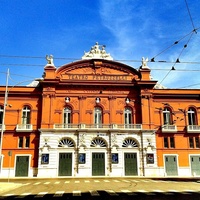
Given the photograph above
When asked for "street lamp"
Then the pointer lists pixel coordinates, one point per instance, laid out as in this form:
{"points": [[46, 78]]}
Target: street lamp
{"points": [[3, 119]]}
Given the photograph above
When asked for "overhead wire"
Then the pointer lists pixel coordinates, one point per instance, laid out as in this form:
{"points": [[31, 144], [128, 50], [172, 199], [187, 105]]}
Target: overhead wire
{"points": [[190, 15], [178, 59]]}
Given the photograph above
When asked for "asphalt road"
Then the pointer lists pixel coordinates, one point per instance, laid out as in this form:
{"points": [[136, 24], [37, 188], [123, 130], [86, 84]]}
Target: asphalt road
{"points": [[102, 188]]}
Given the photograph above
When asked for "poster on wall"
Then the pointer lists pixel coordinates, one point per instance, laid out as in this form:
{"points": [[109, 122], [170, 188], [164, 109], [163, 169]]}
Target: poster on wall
{"points": [[114, 158], [81, 158], [150, 158], [45, 158]]}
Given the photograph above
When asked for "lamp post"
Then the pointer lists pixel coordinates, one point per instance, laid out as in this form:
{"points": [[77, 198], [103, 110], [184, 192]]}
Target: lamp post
{"points": [[3, 120]]}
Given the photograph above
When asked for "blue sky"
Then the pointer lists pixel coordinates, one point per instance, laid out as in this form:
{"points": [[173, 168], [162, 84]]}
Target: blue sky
{"points": [[130, 29]]}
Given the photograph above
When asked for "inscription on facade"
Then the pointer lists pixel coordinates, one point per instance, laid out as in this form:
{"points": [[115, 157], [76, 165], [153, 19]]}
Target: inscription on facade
{"points": [[97, 77]]}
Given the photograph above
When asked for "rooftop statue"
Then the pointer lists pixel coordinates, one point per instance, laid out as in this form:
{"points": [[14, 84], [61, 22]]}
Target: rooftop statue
{"points": [[97, 51], [49, 59], [144, 63]]}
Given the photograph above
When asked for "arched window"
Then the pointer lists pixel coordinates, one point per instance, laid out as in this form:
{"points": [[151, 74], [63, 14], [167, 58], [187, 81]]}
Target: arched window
{"points": [[98, 116], [130, 142], [66, 142], [98, 142], [26, 114], [1, 114], [67, 115], [127, 116], [167, 116], [192, 116]]}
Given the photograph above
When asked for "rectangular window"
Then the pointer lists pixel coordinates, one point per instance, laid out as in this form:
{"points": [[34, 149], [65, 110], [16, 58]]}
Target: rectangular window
{"points": [[27, 143], [197, 142], [172, 142], [191, 141], [169, 142], [166, 144], [20, 142]]}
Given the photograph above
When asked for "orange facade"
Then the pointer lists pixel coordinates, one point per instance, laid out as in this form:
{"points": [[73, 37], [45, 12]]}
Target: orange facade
{"points": [[99, 117]]}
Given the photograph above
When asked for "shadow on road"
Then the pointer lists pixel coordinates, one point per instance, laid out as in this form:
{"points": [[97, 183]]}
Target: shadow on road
{"points": [[103, 195]]}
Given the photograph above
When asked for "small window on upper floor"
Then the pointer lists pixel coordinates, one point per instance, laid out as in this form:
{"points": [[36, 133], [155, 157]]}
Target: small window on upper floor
{"points": [[167, 116], [128, 116], [192, 120], [26, 114], [1, 114], [67, 115]]}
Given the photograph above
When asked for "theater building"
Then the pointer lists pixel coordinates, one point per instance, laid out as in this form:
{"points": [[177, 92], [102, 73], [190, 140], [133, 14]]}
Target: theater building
{"points": [[99, 117]]}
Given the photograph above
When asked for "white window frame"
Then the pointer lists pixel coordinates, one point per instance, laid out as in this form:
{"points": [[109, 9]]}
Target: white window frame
{"points": [[26, 115], [67, 115]]}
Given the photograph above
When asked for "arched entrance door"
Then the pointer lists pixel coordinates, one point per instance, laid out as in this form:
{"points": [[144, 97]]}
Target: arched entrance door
{"points": [[130, 158], [65, 158], [98, 158]]}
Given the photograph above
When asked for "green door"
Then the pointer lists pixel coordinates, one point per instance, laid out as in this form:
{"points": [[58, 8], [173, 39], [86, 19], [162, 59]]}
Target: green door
{"points": [[65, 164], [130, 163], [171, 165], [22, 166], [98, 164], [195, 165]]}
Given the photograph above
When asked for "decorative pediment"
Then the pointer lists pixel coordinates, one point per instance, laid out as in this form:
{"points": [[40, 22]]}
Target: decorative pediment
{"points": [[97, 70]]}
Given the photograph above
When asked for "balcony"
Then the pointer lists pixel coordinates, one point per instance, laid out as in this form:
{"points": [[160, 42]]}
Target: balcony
{"points": [[2, 126], [24, 127], [193, 129], [98, 126], [169, 128], [66, 126]]}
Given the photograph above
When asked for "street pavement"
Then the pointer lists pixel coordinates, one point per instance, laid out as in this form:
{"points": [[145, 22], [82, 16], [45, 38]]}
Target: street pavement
{"points": [[100, 188]]}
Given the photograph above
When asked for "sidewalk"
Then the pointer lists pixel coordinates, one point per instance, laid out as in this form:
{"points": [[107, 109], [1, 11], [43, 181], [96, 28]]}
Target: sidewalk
{"points": [[6, 186]]}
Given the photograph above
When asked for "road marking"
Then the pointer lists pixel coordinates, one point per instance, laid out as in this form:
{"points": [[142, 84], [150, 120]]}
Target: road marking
{"points": [[26, 183], [94, 193], [160, 191], [59, 193], [23, 195], [111, 192], [116, 181], [40, 194], [128, 192], [37, 183], [67, 181], [77, 182], [126, 181], [6, 195], [106, 181], [141, 191], [46, 183], [57, 182], [87, 181], [96, 181], [146, 181], [172, 191], [135, 181], [76, 193]]}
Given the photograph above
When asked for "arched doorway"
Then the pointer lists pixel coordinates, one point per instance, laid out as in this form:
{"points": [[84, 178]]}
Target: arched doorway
{"points": [[130, 157], [65, 158], [98, 157]]}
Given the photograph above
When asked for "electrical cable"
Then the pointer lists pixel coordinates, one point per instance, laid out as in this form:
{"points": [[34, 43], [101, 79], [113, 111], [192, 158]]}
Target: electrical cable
{"points": [[178, 59], [190, 15]]}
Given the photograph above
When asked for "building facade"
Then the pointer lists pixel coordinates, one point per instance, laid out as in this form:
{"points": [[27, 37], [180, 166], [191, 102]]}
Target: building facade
{"points": [[99, 117]]}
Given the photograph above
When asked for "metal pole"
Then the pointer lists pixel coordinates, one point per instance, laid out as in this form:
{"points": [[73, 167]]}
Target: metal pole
{"points": [[3, 120]]}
